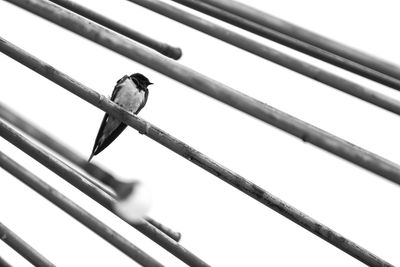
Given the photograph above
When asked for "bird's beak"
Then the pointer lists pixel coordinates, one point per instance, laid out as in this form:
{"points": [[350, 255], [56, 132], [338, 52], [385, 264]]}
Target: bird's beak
{"points": [[151, 83]]}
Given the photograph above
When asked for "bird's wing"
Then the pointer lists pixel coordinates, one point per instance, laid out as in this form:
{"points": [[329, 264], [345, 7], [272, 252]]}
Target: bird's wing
{"points": [[117, 86], [98, 147], [146, 95]]}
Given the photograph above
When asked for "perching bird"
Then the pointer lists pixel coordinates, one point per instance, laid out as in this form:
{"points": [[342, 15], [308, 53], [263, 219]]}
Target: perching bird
{"points": [[130, 93]]}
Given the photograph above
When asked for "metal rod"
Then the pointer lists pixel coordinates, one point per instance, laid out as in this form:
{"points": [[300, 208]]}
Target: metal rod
{"points": [[49, 141], [197, 157], [174, 235], [75, 211], [231, 37], [291, 42], [80, 182], [4, 263], [163, 48], [272, 55], [307, 36], [199, 82], [20, 246]]}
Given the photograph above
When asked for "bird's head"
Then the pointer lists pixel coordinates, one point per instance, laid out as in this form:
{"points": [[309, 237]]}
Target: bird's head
{"points": [[143, 80]]}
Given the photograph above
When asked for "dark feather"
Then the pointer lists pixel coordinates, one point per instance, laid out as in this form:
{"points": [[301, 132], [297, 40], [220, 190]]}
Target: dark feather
{"points": [[141, 86], [97, 148], [100, 147], [117, 87], [141, 83]]}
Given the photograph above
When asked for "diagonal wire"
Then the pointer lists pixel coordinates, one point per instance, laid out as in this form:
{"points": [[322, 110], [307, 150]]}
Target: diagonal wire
{"points": [[20, 246], [76, 212], [163, 48], [247, 24], [273, 55], [307, 36], [182, 149], [199, 82], [4, 263], [63, 150], [55, 14], [80, 182]]}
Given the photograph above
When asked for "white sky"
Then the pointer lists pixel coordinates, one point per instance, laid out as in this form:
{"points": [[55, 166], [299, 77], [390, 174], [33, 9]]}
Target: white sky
{"points": [[219, 224]]}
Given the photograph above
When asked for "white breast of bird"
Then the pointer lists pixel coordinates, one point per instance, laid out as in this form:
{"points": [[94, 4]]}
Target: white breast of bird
{"points": [[129, 97]]}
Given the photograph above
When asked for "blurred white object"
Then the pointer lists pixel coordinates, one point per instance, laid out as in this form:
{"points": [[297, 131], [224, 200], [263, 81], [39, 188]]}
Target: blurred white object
{"points": [[133, 202]]}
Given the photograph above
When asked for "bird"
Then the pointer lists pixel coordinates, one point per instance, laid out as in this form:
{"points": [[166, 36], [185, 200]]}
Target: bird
{"points": [[130, 93]]}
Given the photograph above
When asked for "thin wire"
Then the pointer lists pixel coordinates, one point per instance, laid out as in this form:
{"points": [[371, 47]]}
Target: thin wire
{"points": [[80, 182], [163, 48], [199, 82], [23, 248], [63, 150], [277, 36], [273, 55], [185, 151], [75, 211], [307, 36]]}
